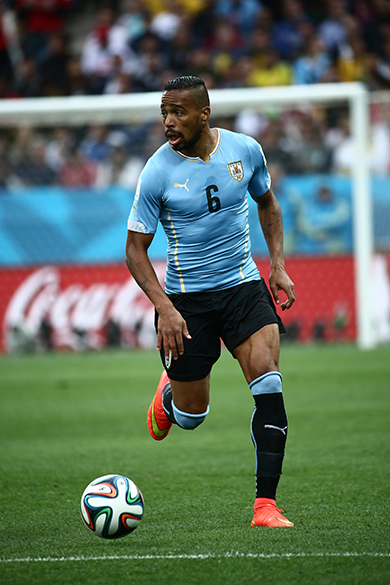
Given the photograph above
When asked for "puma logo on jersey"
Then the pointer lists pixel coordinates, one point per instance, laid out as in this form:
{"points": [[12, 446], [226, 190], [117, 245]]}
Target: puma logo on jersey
{"points": [[181, 185]]}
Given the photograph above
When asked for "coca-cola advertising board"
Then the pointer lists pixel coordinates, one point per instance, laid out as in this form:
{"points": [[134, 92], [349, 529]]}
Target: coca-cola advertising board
{"points": [[94, 306], [74, 307]]}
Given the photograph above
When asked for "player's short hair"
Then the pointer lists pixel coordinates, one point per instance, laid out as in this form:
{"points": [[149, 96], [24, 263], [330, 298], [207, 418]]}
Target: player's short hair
{"points": [[194, 84]]}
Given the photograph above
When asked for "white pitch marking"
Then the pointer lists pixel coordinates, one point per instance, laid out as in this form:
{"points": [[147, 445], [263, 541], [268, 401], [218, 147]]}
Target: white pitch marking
{"points": [[195, 557]]}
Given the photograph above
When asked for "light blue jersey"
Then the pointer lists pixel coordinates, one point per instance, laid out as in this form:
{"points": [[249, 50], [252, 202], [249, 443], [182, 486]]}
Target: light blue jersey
{"points": [[203, 208]]}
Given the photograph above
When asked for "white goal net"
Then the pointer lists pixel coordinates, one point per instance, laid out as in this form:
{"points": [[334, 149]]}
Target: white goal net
{"points": [[68, 171]]}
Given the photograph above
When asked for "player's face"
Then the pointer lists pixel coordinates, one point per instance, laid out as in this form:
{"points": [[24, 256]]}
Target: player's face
{"points": [[183, 120]]}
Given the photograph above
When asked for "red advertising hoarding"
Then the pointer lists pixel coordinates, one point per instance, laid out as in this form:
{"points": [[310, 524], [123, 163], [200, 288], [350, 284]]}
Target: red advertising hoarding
{"points": [[79, 307]]}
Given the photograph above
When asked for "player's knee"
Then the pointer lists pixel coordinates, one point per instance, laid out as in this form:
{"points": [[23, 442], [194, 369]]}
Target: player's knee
{"points": [[269, 383], [188, 421]]}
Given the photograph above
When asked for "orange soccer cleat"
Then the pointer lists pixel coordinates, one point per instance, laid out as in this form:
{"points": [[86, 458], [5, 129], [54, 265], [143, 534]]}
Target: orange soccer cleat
{"points": [[267, 514], [158, 423]]}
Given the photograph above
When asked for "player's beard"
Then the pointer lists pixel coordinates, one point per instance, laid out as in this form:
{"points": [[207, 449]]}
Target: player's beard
{"points": [[192, 142]]}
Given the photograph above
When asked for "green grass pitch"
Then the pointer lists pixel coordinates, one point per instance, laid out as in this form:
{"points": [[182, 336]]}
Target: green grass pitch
{"points": [[66, 419]]}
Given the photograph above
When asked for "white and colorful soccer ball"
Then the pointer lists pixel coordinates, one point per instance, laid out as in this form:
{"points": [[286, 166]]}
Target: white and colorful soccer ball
{"points": [[112, 506]]}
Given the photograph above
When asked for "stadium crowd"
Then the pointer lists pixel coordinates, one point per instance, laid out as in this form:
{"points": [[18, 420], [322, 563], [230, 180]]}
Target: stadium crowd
{"points": [[136, 46]]}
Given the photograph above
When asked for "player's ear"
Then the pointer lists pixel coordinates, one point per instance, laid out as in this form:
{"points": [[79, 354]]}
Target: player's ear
{"points": [[206, 111]]}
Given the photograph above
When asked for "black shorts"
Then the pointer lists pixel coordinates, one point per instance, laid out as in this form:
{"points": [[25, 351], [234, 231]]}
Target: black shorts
{"points": [[232, 315]]}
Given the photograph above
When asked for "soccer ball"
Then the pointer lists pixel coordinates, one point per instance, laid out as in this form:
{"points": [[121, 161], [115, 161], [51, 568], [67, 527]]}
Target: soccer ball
{"points": [[112, 506]]}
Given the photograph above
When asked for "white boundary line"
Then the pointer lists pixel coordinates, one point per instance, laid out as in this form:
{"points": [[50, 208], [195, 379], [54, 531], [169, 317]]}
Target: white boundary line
{"points": [[195, 557]]}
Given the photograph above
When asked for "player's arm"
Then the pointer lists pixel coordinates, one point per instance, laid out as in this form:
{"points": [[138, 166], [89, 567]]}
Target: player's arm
{"points": [[171, 325], [271, 221]]}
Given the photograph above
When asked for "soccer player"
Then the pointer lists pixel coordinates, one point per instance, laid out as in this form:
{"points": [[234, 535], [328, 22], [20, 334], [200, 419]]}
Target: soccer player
{"points": [[197, 186]]}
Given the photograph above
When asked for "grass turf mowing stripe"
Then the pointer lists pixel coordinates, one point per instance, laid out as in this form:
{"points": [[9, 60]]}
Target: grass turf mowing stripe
{"points": [[195, 557]]}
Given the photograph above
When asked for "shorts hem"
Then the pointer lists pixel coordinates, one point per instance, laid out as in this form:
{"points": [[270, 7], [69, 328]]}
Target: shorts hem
{"points": [[187, 378], [278, 323]]}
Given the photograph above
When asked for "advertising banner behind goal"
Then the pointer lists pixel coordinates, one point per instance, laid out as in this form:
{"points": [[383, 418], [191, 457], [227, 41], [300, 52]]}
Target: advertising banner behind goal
{"points": [[97, 306]]}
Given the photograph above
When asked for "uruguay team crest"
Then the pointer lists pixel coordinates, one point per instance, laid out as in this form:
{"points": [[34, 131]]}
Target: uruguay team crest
{"points": [[236, 170]]}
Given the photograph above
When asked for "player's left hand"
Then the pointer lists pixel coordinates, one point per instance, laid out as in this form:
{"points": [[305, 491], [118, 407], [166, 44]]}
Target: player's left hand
{"points": [[279, 280]]}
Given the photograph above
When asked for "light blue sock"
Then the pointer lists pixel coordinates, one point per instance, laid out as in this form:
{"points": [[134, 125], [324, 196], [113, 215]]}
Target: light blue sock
{"points": [[188, 421], [269, 383]]}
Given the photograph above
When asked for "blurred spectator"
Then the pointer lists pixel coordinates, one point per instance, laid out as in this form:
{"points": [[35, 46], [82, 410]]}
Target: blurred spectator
{"points": [[333, 29], [152, 62], [288, 198], [77, 83], [237, 75], [119, 169], [5, 88], [53, 66], [4, 172], [273, 72], [313, 65], [374, 21], [353, 62], [274, 143], [193, 7], [259, 43], [40, 19], [20, 145], [203, 25], [97, 57], [311, 154], [266, 19], [153, 138], [5, 60], [100, 49], [166, 24], [59, 147], [94, 147], [341, 141], [199, 63], [134, 20], [287, 36], [226, 48], [27, 82], [380, 145], [251, 123], [343, 156], [77, 172], [180, 49], [242, 14], [322, 220], [4, 163], [32, 170], [380, 69], [118, 81]]}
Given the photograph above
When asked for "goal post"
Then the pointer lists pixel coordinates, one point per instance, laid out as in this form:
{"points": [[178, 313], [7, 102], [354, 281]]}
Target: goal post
{"points": [[224, 102]]}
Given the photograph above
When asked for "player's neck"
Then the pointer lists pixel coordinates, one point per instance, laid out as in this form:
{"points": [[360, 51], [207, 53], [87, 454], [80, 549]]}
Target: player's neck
{"points": [[205, 145]]}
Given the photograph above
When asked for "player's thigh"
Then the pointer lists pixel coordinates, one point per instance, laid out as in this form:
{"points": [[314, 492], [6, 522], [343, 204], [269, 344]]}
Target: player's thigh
{"points": [[191, 397], [259, 353]]}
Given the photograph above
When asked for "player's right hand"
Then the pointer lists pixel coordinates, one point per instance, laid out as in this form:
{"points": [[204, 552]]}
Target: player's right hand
{"points": [[171, 329]]}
